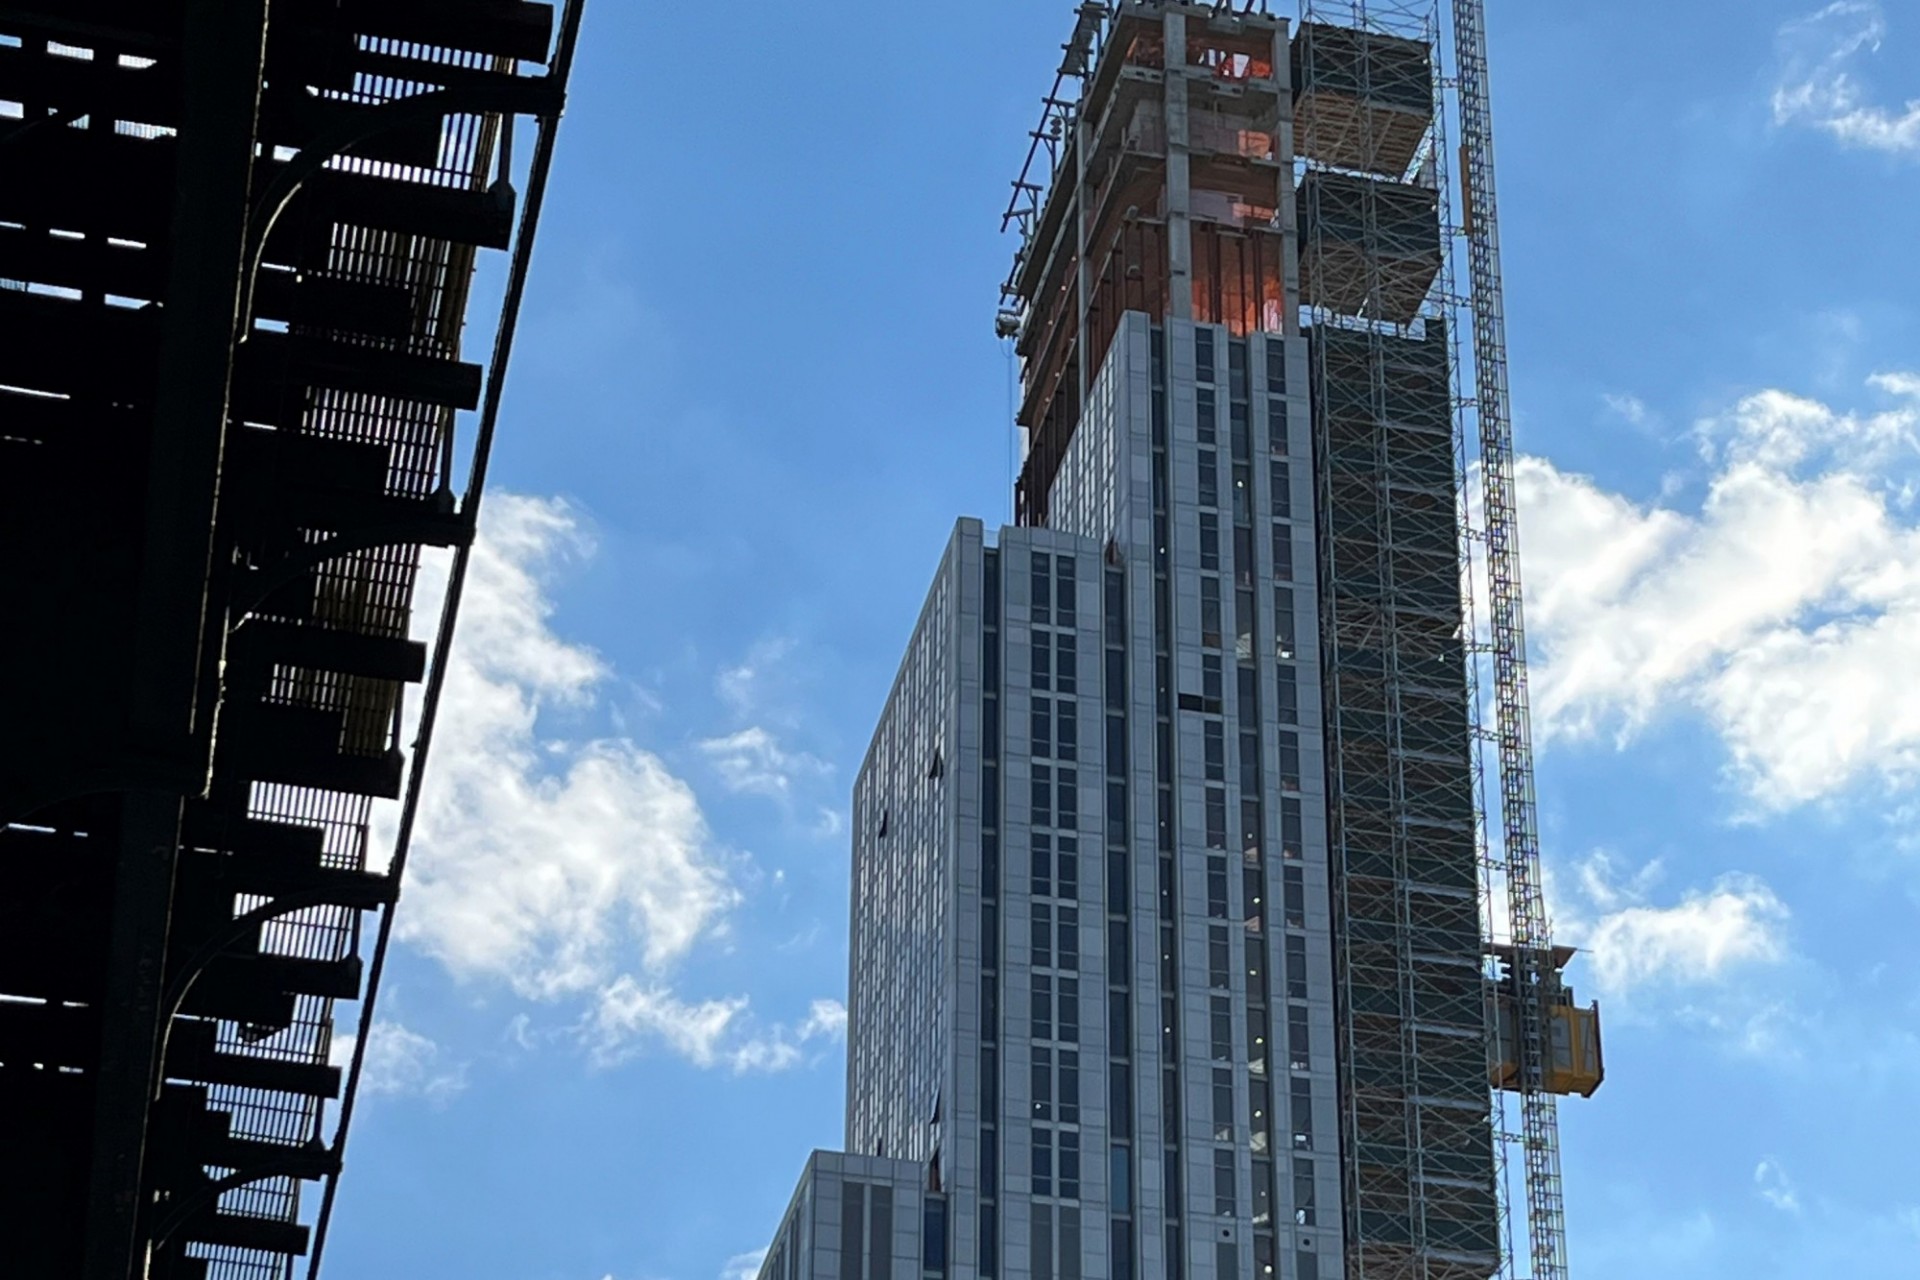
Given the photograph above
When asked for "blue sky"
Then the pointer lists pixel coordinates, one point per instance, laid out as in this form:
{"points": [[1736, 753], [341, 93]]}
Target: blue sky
{"points": [[758, 381]]}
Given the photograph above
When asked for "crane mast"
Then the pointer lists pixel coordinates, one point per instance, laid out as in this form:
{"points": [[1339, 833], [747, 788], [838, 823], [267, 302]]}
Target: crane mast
{"points": [[1530, 970]]}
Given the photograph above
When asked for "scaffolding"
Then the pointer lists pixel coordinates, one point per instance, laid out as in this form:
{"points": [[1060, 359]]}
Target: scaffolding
{"points": [[236, 255], [1426, 1171]]}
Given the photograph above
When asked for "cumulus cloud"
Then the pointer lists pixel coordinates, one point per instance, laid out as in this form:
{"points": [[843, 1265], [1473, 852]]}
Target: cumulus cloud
{"points": [[753, 762], [538, 862], [630, 1014], [1783, 610], [573, 868], [1819, 85], [402, 1064]]}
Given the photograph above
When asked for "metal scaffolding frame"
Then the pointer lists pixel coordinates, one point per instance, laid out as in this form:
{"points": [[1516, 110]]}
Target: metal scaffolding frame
{"points": [[1376, 196]]}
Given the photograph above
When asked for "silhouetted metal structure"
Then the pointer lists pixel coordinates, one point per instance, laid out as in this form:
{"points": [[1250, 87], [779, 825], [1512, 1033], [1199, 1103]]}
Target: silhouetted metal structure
{"points": [[235, 253]]}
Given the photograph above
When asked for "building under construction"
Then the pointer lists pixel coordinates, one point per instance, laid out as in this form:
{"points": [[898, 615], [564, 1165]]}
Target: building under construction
{"points": [[1197, 928], [236, 404]]}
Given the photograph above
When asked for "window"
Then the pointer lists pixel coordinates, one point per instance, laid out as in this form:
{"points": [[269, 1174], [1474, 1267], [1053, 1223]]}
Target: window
{"points": [[1042, 1081], [1042, 879], [1209, 542], [1120, 1179], [1225, 1197], [1041, 794], [1259, 1103], [1219, 967], [1290, 828], [1064, 592], [1203, 355], [1119, 1097], [1042, 660], [1289, 760], [1276, 367], [1065, 664], [1299, 1045], [1069, 1010], [1216, 818], [1220, 1024], [1209, 478], [1069, 1093], [1296, 967], [1303, 1191], [1213, 737], [1069, 1144], [1280, 481], [1069, 816], [1038, 585], [1067, 940], [1210, 612], [1041, 954], [1302, 1113], [933, 1234], [1283, 623], [1222, 1105], [1041, 1009], [1207, 414], [1295, 898], [1042, 1166], [1286, 690], [1283, 552], [1069, 880], [1067, 737], [1040, 721]]}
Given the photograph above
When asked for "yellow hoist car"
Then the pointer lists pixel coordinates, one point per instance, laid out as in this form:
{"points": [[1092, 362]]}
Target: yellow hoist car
{"points": [[1574, 1062]]}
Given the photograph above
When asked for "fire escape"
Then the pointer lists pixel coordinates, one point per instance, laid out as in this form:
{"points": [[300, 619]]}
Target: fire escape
{"points": [[236, 250]]}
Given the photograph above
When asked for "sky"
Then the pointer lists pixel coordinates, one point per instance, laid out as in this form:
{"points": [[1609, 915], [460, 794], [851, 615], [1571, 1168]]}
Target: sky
{"points": [[756, 383]]}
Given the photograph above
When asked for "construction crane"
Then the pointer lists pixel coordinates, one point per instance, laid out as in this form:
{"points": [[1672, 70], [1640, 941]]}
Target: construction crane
{"points": [[1530, 995]]}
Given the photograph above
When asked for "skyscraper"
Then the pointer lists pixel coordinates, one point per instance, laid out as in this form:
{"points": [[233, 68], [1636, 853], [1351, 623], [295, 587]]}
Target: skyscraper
{"points": [[1168, 949]]}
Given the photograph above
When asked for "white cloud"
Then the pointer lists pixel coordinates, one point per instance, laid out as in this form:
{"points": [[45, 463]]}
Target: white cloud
{"points": [[1637, 948], [631, 1014], [825, 1019], [1699, 939], [1771, 1183], [537, 862], [743, 1266], [1780, 610], [1818, 85], [402, 1064], [566, 868], [752, 761]]}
